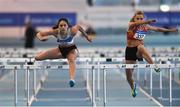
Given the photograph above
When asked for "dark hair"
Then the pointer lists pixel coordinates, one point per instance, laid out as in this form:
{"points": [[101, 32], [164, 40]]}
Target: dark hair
{"points": [[137, 13], [61, 19]]}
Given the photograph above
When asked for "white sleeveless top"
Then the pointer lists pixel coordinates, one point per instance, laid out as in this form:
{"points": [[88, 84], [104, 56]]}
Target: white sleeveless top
{"points": [[65, 39]]}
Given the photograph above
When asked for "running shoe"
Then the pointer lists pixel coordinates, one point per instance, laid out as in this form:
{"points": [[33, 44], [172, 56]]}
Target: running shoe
{"points": [[134, 91], [71, 83]]}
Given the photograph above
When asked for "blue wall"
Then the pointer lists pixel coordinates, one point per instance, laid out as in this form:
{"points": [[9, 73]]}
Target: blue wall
{"points": [[37, 19], [171, 19]]}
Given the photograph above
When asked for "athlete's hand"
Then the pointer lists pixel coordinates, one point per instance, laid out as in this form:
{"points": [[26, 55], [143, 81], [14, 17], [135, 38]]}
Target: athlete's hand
{"points": [[174, 30], [151, 21], [89, 38], [41, 38]]}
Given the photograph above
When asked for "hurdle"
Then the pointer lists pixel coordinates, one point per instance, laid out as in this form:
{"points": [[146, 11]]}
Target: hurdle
{"points": [[14, 68], [88, 66], [91, 73]]}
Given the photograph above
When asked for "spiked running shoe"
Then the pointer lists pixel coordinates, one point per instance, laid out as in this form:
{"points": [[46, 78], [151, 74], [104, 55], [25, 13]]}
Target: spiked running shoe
{"points": [[71, 83], [134, 91]]}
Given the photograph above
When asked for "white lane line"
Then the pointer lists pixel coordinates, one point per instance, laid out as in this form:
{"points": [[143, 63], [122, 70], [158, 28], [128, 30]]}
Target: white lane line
{"points": [[153, 99]]}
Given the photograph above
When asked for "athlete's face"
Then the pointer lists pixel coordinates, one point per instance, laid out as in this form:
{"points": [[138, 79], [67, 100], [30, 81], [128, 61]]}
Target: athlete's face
{"points": [[138, 18], [63, 26]]}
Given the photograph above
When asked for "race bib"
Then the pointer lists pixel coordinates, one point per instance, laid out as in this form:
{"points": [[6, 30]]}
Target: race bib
{"points": [[140, 35]]}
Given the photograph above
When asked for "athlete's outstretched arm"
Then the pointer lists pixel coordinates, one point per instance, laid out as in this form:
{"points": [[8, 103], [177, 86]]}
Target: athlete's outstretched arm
{"points": [[84, 33], [43, 35], [159, 29], [79, 28], [141, 22]]}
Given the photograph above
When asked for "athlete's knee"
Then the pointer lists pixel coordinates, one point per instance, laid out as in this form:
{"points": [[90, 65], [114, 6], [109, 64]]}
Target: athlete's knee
{"points": [[40, 56], [37, 58], [71, 60]]}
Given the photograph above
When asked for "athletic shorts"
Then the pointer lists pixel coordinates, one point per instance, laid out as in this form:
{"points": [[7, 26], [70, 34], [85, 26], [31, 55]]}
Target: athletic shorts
{"points": [[65, 50], [130, 54]]}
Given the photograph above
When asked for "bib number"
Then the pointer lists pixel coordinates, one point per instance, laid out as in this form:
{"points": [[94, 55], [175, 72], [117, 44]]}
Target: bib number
{"points": [[140, 35]]}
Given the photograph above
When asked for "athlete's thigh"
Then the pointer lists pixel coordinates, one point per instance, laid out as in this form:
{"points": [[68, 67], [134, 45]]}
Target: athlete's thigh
{"points": [[143, 52], [53, 53], [72, 55]]}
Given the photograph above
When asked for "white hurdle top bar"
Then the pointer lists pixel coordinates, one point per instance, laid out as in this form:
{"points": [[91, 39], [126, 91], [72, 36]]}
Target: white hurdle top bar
{"points": [[83, 59], [10, 67], [89, 66]]}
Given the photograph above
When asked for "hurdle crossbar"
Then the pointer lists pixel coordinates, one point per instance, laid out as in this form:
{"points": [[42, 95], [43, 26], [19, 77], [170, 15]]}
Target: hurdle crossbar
{"points": [[105, 65], [10, 66], [113, 59], [90, 66]]}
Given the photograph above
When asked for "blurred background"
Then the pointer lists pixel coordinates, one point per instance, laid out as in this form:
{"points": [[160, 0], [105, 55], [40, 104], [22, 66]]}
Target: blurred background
{"points": [[109, 19]]}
